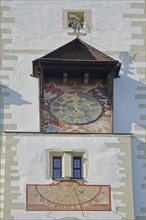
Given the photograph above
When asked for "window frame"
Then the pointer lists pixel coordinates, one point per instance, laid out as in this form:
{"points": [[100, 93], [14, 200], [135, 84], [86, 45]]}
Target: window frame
{"points": [[57, 168], [66, 163], [76, 168]]}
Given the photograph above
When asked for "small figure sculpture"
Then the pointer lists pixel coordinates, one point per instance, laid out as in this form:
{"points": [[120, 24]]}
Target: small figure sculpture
{"points": [[75, 22]]}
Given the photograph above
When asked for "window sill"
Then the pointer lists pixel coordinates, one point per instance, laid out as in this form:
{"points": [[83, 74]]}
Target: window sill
{"points": [[72, 179]]}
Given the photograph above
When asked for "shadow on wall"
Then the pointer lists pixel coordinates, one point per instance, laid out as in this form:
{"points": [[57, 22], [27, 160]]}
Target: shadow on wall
{"points": [[9, 97], [126, 109], [139, 175], [126, 113], [12, 97], [127, 60]]}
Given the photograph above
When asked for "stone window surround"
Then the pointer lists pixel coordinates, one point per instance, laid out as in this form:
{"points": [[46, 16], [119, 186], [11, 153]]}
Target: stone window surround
{"points": [[67, 162]]}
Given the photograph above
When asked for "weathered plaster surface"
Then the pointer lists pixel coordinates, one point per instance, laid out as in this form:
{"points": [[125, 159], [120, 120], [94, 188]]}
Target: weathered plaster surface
{"points": [[31, 29], [109, 163]]}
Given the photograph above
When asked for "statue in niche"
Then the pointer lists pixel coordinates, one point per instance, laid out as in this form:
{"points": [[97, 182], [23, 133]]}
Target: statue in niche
{"points": [[75, 22]]}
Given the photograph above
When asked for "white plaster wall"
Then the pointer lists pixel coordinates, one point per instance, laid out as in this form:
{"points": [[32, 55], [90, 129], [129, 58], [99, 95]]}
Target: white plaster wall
{"points": [[23, 95], [103, 169], [38, 26], [126, 112]]}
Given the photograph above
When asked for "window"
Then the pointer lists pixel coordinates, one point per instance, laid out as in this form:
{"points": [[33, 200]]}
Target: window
{"points": [[67, 164], [77, 167], [57, 167]]}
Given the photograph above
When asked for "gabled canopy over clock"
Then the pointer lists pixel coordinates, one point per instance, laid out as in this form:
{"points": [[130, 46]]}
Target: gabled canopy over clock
{"points": [[76, 86]]}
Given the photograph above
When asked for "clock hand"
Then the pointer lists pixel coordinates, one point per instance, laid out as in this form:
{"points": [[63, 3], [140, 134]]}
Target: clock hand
{"points": [[75, 104]]}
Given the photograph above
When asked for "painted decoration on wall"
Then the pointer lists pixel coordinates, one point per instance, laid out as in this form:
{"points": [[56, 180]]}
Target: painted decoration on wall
{"points": [[68, 196], [76, 108]]}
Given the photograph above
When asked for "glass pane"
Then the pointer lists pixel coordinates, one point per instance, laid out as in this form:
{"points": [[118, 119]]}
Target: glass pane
{"points": [[77, 174], [77, 162], [57, 162], [56, 173]]}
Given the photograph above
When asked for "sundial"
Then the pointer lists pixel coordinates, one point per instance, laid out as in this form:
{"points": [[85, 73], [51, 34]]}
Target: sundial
{"points": [[68, 196]]}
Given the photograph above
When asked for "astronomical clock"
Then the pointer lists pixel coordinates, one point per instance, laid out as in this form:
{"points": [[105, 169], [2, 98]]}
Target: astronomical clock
{"points": [[75, 108], [76, 89]]}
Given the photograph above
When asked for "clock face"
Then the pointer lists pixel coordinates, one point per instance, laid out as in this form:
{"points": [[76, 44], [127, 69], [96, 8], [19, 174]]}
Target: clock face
{"points": [[75, 108]]}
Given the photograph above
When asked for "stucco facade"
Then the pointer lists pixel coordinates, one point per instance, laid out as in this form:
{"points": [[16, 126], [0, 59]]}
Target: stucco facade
{"points": [[110, 164], [31, 29]]}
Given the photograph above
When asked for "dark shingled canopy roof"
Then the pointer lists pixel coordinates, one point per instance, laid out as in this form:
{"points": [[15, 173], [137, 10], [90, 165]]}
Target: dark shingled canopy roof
{"points": [[77, 53]]}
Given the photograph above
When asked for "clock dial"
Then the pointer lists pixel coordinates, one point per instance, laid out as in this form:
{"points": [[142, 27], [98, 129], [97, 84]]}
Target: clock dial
{"points": [[75, 108]]}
